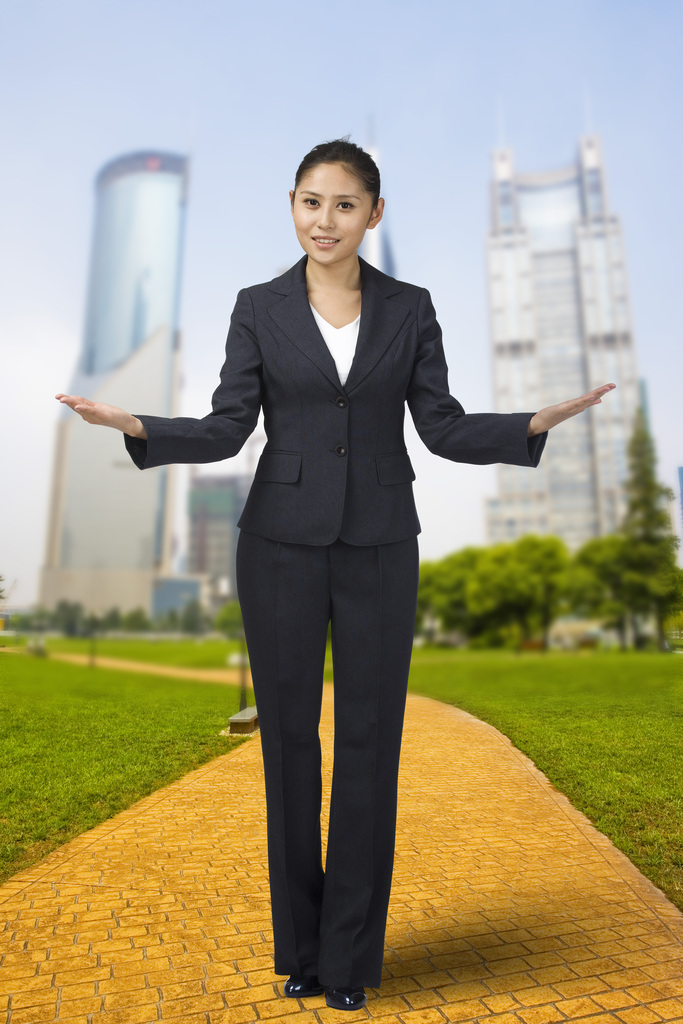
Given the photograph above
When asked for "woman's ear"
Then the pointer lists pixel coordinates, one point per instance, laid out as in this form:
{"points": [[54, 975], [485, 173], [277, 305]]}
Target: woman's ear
{"points": [[376, 215]]}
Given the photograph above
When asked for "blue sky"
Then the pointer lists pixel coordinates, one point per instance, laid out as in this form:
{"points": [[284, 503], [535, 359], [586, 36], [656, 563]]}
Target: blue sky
{"points": [[246, 90]]}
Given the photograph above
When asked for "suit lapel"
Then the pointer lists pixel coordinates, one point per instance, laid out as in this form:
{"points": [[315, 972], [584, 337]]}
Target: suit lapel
{"points": [[293, 316], [380, 321]]}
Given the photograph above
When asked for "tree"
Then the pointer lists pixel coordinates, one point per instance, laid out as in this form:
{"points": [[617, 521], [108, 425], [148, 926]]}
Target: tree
{"points": [[442, 593], [136, 621], [229, 619], [544, 562], [497, 595], [169, 621], [653, 580], [598, 582], [500, 598], [111, 619], [68, 617], [192, 618]]}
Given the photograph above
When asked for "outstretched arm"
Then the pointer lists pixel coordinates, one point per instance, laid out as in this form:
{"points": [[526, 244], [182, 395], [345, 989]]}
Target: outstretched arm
{"points": [[104, 415], [549, 417], [481, 438], [161, 440]]}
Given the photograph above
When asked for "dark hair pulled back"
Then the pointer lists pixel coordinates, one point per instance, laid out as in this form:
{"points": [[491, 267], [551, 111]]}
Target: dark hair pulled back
{"points": [[354, 159]]}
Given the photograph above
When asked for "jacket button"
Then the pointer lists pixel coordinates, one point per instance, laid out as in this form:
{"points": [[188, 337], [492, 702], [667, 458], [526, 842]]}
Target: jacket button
{"points": [[341, 402], [340, 449]]}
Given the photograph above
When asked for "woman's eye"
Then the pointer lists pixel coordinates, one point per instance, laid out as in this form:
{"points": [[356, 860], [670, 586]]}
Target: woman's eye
{"points": [[346, 206], [310, 202]]}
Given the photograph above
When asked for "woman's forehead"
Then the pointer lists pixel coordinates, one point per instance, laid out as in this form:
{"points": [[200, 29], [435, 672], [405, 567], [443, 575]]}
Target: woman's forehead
{"points": [[335, 179]]}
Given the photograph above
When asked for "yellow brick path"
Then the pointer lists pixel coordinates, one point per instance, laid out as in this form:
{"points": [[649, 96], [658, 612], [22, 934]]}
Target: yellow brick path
{"points": [[507, 906]]}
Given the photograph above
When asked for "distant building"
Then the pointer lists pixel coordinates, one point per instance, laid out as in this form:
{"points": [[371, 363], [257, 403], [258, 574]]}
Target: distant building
{"points": [[376, 248], [215, 504], [109, 532], [561, 325], [174, 593]]}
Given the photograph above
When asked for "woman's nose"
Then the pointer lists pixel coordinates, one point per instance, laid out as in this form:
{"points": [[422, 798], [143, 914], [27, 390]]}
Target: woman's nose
{"points": [[325, 218]]}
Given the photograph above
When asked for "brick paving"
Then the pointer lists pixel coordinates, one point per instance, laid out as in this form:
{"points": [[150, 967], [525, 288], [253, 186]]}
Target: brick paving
{"points": [[507, 906]]}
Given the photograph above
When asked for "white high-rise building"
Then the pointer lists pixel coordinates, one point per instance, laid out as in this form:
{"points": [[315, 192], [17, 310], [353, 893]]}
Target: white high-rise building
{"points": [[376, 248], [561, 325], [109, 532]]}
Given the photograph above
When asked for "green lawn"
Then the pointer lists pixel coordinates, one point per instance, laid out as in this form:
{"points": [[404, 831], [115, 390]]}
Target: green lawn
{"points": [[78, 745], [200, 653], [606, 729]]}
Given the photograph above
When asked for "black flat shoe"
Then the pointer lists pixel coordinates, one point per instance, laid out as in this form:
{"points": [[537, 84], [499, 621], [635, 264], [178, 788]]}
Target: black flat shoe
{"points": [[299, 986], [345, 998]]}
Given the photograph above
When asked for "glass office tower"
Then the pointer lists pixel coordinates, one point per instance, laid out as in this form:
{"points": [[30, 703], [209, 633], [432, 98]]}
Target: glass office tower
{"points": [[109, 534], [561, 325]]}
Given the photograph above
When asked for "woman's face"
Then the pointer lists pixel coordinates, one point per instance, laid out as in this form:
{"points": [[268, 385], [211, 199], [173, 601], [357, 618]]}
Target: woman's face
{"points": [[332, 212]]}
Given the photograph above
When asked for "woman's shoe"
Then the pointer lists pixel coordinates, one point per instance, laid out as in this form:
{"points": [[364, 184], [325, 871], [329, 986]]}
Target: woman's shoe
{"points": [[299, 986], [345, 998]]}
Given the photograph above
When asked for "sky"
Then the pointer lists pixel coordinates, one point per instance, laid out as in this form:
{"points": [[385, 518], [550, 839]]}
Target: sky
{"points": [[246, 90]]}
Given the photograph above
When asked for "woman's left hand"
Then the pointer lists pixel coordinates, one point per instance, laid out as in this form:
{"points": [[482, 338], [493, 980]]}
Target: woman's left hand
{"points": [[549, 417]]}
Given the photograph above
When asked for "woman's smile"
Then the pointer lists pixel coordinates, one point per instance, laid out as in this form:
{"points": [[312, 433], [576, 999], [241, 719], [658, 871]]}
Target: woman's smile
{"points": [[324, 243]]}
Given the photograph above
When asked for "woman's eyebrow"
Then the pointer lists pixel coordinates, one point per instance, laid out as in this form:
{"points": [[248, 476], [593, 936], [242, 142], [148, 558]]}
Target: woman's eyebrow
{"points": [[319, 196]]}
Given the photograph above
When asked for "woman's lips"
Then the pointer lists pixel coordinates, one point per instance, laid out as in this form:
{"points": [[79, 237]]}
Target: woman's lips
{"points": [[325, 243]]}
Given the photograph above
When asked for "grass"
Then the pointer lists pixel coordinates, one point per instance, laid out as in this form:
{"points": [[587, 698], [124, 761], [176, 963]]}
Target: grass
{"points": [[78, 745], [606, 729], [200, 653]]}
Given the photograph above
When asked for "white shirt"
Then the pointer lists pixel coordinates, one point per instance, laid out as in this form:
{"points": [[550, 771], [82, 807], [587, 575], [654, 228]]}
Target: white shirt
{"points": [[341, 342]]}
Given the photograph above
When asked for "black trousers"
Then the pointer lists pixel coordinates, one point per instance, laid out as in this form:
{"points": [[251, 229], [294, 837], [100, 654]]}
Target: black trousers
{"points": [[332, 922]]}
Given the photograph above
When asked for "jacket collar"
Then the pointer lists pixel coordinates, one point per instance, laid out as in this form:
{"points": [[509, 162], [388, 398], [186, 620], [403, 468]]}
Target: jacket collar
{"points": [[380, 321]]}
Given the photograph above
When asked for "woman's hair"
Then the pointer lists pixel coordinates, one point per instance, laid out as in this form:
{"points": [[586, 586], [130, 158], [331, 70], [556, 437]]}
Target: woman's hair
{"points": [[352, 157]]}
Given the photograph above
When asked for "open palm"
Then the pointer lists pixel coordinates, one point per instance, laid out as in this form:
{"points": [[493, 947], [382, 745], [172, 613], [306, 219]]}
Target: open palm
{"points": [[103, 415], [549, 417]]}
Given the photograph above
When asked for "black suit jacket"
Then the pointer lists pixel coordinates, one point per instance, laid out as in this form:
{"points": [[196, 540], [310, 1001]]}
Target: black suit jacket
{"points": [[335, 463]]}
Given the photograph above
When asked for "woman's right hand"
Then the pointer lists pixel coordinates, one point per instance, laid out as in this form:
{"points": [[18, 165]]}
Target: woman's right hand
{"points": [[104, 415]]}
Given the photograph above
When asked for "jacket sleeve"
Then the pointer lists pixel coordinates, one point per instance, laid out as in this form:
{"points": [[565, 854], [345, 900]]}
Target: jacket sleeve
{"points": [[235, 404], [442, 423]]}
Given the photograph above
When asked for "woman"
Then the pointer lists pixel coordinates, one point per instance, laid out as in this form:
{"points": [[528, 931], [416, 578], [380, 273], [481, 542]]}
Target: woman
{"points": [[332, 351]]}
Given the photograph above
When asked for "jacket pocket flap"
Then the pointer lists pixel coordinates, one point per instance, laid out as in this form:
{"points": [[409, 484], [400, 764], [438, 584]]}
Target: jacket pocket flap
{"points": [[279, 467], [395, 468]]}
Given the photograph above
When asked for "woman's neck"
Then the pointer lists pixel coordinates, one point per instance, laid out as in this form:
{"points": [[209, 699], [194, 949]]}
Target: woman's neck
{"points": [[337, 277]]}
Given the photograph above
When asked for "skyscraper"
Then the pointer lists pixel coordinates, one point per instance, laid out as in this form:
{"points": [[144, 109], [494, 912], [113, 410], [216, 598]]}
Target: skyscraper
{"points": [[109, 532], [561, 325], [376, 248], [215, 503]]}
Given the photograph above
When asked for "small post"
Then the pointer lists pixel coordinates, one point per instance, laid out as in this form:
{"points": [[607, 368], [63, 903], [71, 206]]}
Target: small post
{"points": [[243, 670]]}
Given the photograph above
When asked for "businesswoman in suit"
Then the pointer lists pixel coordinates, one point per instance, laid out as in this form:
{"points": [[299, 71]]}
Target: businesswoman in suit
{"points": [[332, 351]]}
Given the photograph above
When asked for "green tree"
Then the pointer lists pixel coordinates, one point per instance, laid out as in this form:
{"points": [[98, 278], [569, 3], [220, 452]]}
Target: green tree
{"points": [[136, 621], [169, 621], [111, 619], [500, 597], [442, 593], [598, 582], [229, 619], [515, 591], [544, 563], [653, 580], [68, 617], [192, 618]]}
